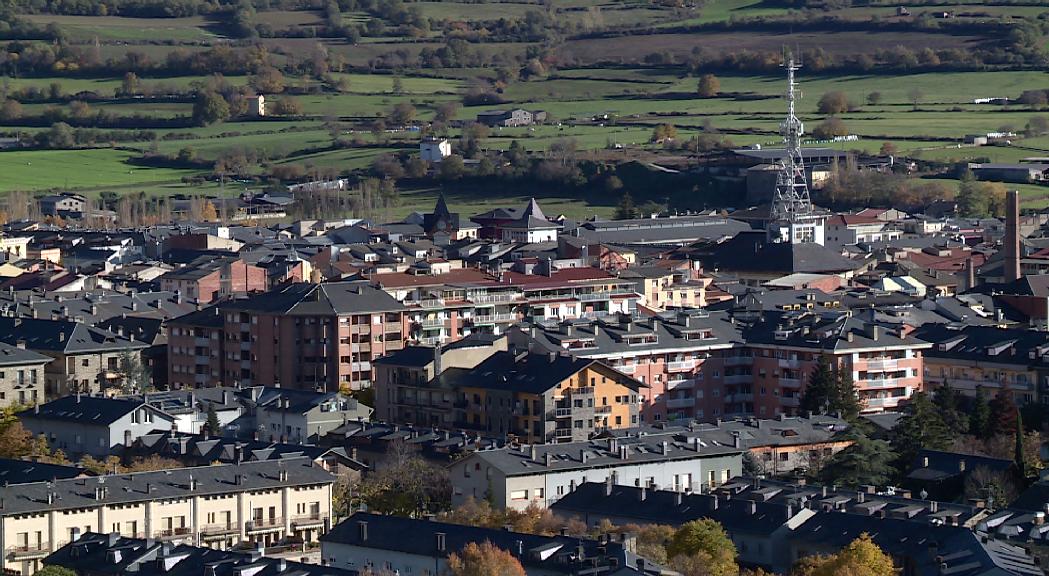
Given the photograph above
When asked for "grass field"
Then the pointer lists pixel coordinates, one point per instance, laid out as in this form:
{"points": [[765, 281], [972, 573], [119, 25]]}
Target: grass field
{"points": [[68, 169], [112, 28]]}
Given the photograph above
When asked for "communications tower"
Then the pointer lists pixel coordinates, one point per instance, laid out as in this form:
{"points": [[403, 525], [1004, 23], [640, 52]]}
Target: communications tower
{"points": [[792, 218]]}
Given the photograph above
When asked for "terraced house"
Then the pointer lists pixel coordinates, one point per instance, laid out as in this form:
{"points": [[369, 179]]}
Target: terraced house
{"points": [[253, 503]]}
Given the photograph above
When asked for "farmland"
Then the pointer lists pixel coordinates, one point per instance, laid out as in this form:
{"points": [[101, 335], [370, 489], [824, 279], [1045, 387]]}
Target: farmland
{"points": [[612, 73]]}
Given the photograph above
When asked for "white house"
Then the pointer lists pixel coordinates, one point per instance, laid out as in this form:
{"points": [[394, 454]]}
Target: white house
{"points": [[435, 149]]}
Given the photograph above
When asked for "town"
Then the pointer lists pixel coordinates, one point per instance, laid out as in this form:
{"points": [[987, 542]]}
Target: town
{"points": [[682, 358]]}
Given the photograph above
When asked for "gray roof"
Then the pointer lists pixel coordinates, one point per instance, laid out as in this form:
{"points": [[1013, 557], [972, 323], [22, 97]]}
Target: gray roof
{"points": [[62, 336], [673, 230], [160, 485], [317, 299], [15, 356]]}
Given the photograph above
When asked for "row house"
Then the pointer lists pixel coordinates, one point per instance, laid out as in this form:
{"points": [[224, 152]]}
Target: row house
{"points": [[312, 336], [529, 396], [249, 504], [988, 359]]}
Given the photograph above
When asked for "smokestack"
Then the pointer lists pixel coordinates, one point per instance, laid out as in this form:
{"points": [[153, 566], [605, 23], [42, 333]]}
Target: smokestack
{"points": [[970, 274], [1012, 236]]}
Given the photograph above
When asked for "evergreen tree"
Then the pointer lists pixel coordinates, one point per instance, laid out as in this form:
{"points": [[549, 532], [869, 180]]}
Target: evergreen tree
{"points": [[817, 395], [946, 399], [626, 209], [846, 401], [921, 427], [980, 415], [213, 425], [1019, 457], [1003, 413], [865, 461]]}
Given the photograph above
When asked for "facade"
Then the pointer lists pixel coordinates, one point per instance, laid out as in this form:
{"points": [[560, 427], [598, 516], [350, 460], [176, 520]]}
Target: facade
{"points": [[434, 150], [1026, 172], [258, 503], [540, 475], [300, 416], [63, 205], [14, 248], [664, 288], [312, 336], [851, 229], [508, 118], [533, 397], [21, 376], [525, 224], [257, 105], [209, 279]]}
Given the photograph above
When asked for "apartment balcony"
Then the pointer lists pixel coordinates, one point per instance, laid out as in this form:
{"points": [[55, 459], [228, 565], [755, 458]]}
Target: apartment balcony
{"points": [[680, 383], [173, 533], [738, 379], [881, 383], [494, 298], [218, 530], [308, 520], [582, 391], [740, 397], [627, 368], [603, 410], [361, 366], [432, 322], [790, 382], [883, 365], [681, 402], [737, 360], [789, 363], [29, 551], [264, 525], [206, 342], [792, 401], [431, 303], [681, 365], [986, 383], [431, 340], [889, 402], [563, 413]]}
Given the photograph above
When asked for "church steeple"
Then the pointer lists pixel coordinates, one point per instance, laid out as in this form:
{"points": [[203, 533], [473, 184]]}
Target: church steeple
{"points": [[442, 207]]}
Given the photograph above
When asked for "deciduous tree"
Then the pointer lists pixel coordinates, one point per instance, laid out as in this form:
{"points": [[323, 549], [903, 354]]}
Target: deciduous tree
{"points": [[835, 102], [862, 557], [703, 543], [709, 86], [484, 559]]}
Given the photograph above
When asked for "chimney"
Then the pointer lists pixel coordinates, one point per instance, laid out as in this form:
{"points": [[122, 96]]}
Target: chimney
{"points": [[713, 502], [643, 494], [362, 530], [1012, 236], [678, 498], [440, 542], [608, 486], [970, 274], [961, 465]]}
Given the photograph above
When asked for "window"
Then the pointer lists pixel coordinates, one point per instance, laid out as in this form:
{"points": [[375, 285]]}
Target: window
{"points": [[538, 492], [519, 495]]}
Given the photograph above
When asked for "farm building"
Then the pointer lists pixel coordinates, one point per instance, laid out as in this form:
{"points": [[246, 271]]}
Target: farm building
{"points": [[1027, 172], [257, 105], [435, 149], [510, 118]]}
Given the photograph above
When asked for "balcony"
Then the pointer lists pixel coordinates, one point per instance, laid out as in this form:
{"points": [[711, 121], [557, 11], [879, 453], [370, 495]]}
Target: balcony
{"points": [[562, 433], [883, 365], [789, 363], [431, 340], [27, 551], [790, 382], [481, 319], [431, 303], [219, 530], [889, 402], [493, 298], [680, 365], [881, 383], [173, 533], [627, 368], [681, 402], [264, 524], [432, 322], [563, 413], [740, 397], [792, 401], [582, 391], [603, 410], [738, 379], [738, 360], [309, 520], [680, 383]]}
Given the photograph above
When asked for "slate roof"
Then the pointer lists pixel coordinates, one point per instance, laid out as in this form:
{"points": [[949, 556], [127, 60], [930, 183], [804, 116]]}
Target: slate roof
{"points": [[988, 344], [95, 305], [750, 251], [314, 299], [530, 373], [24, 472], [84, 410], [161, 485], [677, 229], [15, 356], [944, 465], [837, 331], [62, 336]]}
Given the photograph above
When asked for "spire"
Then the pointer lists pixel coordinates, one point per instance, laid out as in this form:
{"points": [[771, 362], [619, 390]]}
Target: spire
{"points": [[532, 209], [442, 207], [792, 218]]}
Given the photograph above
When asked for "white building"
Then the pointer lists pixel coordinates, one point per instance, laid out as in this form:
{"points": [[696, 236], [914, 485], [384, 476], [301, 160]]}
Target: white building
{"points": [[434, 150]]}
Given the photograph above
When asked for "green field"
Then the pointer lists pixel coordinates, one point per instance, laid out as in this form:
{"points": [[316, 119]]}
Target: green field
{"points": [[44, 169]]}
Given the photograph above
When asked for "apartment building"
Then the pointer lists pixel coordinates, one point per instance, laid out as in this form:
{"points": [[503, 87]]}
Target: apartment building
{"points": [[312, 336], [21, 375], [988, 358], [533, 397], [254, 503], [86, 359], [298, 416], [539, 475], [663, 287], [93, 425], [211, 278]]}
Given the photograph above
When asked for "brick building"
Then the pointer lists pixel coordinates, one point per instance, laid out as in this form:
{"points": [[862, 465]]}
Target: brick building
{"points": [[208, 279]]}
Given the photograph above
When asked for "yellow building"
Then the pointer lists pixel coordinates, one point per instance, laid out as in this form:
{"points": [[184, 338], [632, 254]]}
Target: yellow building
{"points": [[257, 503]]}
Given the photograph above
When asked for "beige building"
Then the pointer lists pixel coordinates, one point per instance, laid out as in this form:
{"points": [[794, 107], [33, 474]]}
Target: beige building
{"points": [[253, 503]]}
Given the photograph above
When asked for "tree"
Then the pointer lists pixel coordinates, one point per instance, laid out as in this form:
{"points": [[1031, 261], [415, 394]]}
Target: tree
{"points": [[996, 488], [52, 570], [704, 542], [1003, 413], [920, 428], [845, 401], [209, 108], [287, 106], [830, 128], [888, 149], [626, 209], [865, 461], [10, 110], [135, 376], [398, 85], [874, 98], [709, 86], [405, 484], [817, 394], [947, 402], [129, 86], [663, 132], [1037, 126], [862, 557], [484, 559], [1018, 454], [213, 426], [452, 167], [268, 80], [402, 114], [835, 102], [60, 136], [980, 199], [980, 415], [445, 111], [915, 95]]}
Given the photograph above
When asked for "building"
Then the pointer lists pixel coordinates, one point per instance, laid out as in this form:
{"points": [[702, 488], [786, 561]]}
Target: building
{"points": [[311, 336], [27, 472], [1003, 172], [254, 503], [257, 105], [944, 475], [510, 118], [111, 554], [14, 248], [526, 224], [94, 425], [444, 222], [852, 229], [366, 543], [63, 205], [21, 375], [211, 278], [539, 475], [662, 287], [533, 397], [434, 150], [298, 416], [86, 359], [987, 359]]}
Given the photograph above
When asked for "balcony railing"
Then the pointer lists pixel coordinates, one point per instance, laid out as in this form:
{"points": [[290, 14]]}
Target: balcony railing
{"points": [[882, 364], [789, 363], [882, 402], [680, 365], [679, 383], [432, 322], [179, 532], [880, 383], [792, 382], [563, 433], [603, 410], [563, 413], [738, 360], [34, 550], [582, 390], [261, 524], [738, 378], [493, 298], [793, 401], [309, 520], [681, 402], [627, 368], [219, 529], [740, 397]]}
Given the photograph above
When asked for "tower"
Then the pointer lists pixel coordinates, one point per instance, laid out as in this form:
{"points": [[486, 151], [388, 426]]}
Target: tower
{"points": [[792, 218]]}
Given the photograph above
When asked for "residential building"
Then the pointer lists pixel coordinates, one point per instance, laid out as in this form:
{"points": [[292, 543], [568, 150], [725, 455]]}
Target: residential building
{"points": [[86, 359], [254, 503], [510, 118], [988, 358], [526, 224], [63, 205], [945, 475], [297, 416], [257, 105], [851, 229], [211, 278], [533, 397], [14, 248], [434, 150], [80, 424], [27, 472], [312, 336], [370, 542], [662, 288], [443, 221], [21, 375], [539, 475], [94, 554]]}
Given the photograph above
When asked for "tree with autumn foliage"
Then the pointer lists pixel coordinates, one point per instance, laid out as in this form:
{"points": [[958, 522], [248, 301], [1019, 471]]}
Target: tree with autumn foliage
{"points": [[701, 547], [862, 557], [484, 559]]}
